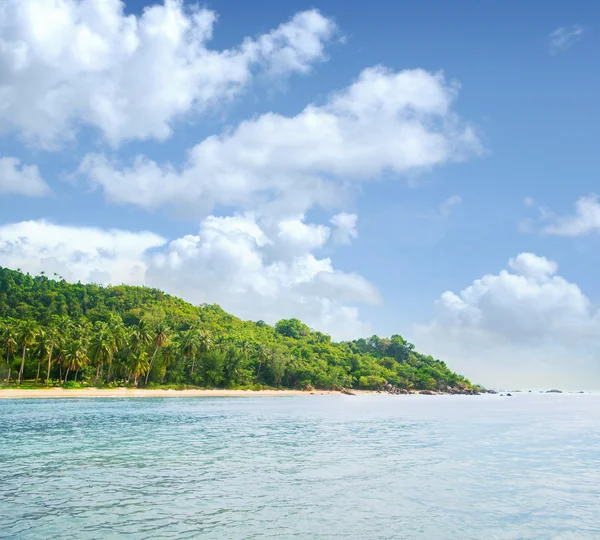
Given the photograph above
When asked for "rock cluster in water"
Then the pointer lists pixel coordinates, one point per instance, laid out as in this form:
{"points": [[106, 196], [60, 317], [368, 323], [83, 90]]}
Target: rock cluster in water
{"points": [[460, 388]]}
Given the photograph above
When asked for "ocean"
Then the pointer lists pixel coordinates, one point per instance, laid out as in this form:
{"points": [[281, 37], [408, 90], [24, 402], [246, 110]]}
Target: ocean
{"points": [[364, 467]]}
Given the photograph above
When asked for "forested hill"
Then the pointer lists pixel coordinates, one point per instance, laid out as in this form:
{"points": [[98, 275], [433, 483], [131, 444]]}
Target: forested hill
{"points": [[59, 332]]}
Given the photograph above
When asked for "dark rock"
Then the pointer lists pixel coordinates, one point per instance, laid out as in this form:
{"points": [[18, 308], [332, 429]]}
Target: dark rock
{"points": [[581, 392], [427, 393], [554, 391], [509, 395], [347, 392]]}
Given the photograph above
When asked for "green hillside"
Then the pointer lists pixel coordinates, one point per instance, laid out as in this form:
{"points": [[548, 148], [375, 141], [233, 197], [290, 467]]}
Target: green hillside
{"points": [[61, 333]]}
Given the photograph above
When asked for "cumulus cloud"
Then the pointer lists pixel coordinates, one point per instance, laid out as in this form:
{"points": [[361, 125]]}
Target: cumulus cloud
{"points": [[396, 122], [20, 179], [241, 262], [70, 62], [345, 227], [564, 37], [585, 220], [77, 253], [528, 327], [244, 265]]}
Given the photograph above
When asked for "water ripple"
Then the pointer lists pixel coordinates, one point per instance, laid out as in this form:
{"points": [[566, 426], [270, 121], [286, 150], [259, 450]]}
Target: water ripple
{"points": [[315, 467]]}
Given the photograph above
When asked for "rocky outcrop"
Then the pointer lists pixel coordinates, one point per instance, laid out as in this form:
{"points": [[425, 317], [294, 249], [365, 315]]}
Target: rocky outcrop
{"points": [[554, 391], [347, 392]]}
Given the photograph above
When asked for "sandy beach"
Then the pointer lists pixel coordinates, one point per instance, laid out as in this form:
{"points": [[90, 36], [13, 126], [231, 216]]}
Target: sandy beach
{"points": [[8, 393]]}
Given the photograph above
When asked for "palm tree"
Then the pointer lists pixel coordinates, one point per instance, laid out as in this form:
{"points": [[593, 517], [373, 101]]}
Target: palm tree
{"points": [[27, 333], [8, 344], [140, 336], [76, 357], [263, 353], [103, 347], [138, 365], [160, 339], [41, 351], [51, 341], [189, 345]]}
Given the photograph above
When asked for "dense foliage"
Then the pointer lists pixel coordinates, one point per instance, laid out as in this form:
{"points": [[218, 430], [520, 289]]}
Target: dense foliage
{"points": [[57, 332]]}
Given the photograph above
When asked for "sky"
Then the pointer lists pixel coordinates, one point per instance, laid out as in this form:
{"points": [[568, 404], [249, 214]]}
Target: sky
{"points": [[423, 168]]}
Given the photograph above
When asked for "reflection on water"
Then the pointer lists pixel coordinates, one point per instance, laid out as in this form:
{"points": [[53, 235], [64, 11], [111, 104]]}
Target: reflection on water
{"points": [[435, 467]]}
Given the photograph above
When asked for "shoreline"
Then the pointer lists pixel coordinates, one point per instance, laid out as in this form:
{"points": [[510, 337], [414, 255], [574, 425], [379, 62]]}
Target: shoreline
{"points": [[51, 393], [122, 392]]}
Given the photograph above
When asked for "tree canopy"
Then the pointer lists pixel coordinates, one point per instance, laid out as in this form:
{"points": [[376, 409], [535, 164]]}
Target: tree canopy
{"points": [[62, 333]]}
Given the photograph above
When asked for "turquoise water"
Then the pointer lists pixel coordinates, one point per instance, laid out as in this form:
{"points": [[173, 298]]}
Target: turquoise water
{"points": [[385, 467]]}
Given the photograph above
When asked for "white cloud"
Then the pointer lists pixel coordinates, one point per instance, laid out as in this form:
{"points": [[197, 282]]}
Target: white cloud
{"points": [[70, 62], [447, 206], [533, 266], [77, 253], [586, 219], [241, 262], [529, 327], [385, 121], [562, 38], [20, 179], [246, 265], [345, 227]]}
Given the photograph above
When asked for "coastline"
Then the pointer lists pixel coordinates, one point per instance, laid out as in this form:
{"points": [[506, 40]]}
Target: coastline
{"points": [[51, 393]]}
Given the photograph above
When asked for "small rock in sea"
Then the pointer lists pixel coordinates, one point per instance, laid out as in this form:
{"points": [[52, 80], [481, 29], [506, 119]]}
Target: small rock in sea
{"points": [[581, 392], [501, 395], [554, 391], [530, 391], [509, 395], [347, 392]]}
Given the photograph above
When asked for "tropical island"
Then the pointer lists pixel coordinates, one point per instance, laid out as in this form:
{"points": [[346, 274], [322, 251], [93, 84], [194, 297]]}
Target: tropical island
{"points": [[72, 336]]}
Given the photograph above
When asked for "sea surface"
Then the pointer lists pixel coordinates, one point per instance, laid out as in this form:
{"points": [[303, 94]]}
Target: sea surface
{"points": [[365, 467]]}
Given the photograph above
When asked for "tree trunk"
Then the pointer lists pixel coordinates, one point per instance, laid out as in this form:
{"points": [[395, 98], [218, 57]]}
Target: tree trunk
{"points": [[97, 373], [67, 374], [22, 364], [49, 363], [37, 375], [193, 364], [135, 380], [76, 375], [108, 374], [8, 366], [151, 363]]}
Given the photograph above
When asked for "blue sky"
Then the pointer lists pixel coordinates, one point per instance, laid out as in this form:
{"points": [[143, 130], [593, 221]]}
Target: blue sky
{"points": [[467, 166]]}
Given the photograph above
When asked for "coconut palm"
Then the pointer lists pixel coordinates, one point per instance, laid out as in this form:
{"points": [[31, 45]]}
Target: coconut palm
{"points": [[189, 345], [27, 332], [160, 339], [103, 348], [138, 365], [76, 357], [8, 344]]}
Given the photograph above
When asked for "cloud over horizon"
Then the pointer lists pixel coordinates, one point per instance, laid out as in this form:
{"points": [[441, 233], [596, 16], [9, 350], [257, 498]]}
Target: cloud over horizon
{"points": [[525, 326]]}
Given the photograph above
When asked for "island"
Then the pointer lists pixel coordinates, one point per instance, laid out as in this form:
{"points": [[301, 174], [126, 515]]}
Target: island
{"points": [[55, 334]]}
